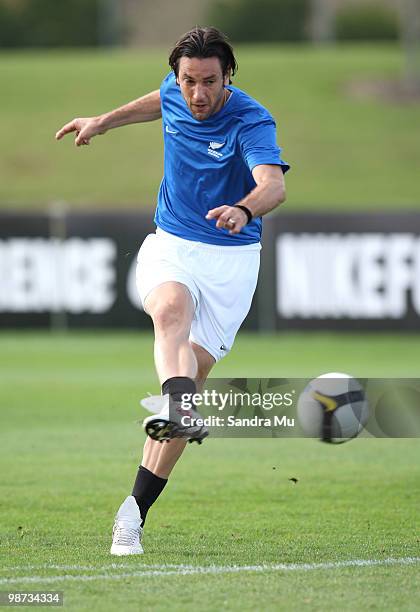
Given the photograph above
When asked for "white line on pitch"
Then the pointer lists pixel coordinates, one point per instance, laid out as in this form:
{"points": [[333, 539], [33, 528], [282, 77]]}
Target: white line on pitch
{"points": [[184, 570], [90, 568]]}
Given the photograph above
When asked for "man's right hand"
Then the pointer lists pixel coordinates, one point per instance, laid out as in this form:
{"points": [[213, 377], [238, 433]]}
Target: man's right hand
{"points": [[85, 128]]}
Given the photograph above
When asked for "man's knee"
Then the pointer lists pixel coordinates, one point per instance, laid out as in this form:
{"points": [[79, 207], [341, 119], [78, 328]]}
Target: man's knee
{"points": [[168, 315], [171, 308]]}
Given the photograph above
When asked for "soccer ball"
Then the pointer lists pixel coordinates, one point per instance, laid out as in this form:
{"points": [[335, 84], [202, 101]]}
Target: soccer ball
{"points": [[333, 408]]}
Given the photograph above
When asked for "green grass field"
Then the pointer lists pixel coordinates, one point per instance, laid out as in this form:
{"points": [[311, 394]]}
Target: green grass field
{"points": [[69, 450], [346, 153]]}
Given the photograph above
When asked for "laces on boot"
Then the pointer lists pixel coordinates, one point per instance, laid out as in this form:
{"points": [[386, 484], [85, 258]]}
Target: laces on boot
{"points": [[126, 536]]}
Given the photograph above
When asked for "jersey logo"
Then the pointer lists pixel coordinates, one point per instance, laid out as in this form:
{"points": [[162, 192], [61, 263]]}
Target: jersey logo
{"points": [[169, 131], [212, 150], [216, 145]]}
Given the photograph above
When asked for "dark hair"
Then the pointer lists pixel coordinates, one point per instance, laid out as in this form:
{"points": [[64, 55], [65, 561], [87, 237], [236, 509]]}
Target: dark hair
{"points": [[202, 43]]}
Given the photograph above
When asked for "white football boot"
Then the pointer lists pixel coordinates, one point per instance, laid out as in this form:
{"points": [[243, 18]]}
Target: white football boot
{"points": [[167, 420], [127, 533]]}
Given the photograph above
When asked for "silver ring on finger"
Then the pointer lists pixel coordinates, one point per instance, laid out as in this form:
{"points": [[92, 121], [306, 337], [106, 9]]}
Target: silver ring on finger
{"points": [[231, 222]]}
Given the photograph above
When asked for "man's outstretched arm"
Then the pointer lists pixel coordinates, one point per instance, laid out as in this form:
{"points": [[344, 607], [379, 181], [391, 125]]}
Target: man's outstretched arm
{"points": [[146, 108]]}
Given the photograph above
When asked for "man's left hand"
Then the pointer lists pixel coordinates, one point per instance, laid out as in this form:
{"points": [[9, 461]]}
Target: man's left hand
{"points": [[228, 217]]}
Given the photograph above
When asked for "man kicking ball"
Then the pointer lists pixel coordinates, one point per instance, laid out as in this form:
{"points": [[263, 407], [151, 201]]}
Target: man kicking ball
{"points": [[197, 273]]}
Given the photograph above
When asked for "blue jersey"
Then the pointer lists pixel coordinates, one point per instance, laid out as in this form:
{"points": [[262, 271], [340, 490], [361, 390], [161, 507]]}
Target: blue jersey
{"points": [[208, 163]]}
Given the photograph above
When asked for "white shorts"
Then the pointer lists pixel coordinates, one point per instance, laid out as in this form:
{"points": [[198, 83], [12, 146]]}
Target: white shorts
{"points": [[221, 280]]}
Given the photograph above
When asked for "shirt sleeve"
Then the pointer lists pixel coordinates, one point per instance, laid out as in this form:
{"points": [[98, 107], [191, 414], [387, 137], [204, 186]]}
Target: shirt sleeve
{"points": [[258, 145], [167, 82]]}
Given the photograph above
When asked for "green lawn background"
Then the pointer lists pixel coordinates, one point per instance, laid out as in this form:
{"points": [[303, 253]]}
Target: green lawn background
{"points": [[346, 153]]}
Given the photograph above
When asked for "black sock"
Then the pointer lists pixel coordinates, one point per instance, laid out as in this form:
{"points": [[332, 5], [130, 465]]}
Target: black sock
{"points": [[146, 490], [177, 386]]}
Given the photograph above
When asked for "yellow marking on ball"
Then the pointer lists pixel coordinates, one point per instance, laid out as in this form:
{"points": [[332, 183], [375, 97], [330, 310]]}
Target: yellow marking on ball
{"points": [[328, 402]]}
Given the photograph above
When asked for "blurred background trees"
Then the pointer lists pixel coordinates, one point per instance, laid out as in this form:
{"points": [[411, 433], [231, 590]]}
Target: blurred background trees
{"points": [[49, 23], [87, 23], [262, 21]]}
